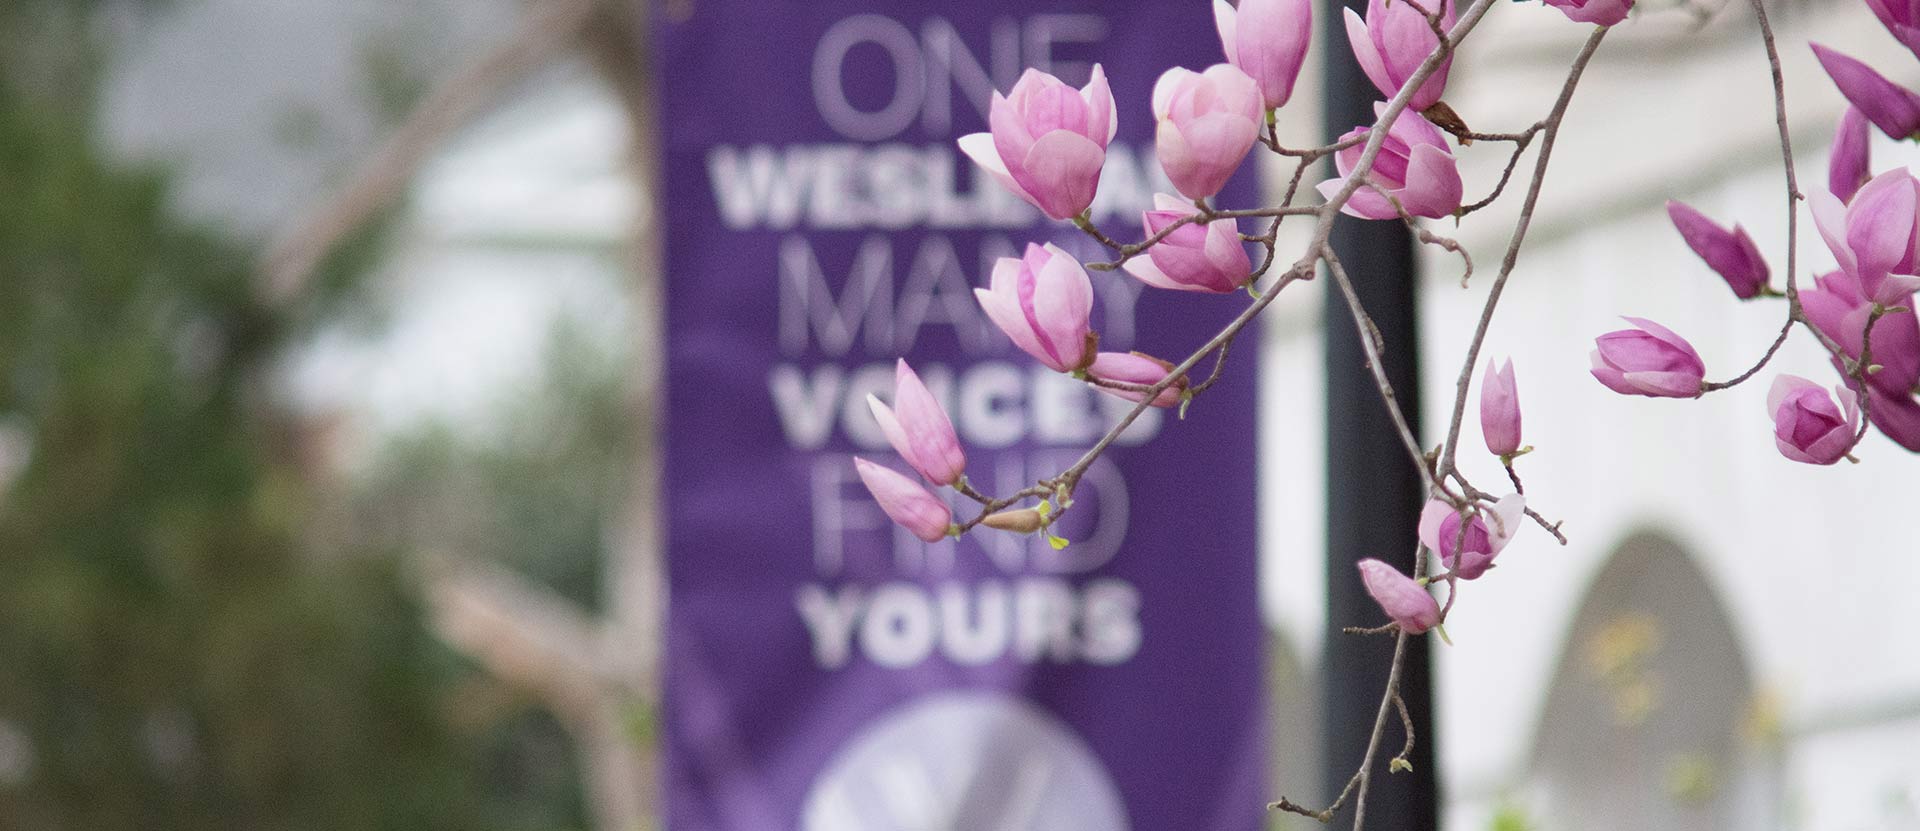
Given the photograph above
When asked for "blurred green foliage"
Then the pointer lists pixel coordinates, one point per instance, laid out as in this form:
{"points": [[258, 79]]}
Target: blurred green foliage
{"points": [[1511, 817], [541, 493], [174, 653]]}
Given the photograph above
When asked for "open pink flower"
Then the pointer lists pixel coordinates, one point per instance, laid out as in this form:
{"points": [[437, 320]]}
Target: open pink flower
{"points": [[905, 501], [1041, 301], [1207, 121], [1048, 141], [1194, 257], [1839, 310], [1414, 166], [919, 429], [1400, 596], [1472, 556], [1875, 237], [1268, 40], [1394, 40], [1807, 427]]}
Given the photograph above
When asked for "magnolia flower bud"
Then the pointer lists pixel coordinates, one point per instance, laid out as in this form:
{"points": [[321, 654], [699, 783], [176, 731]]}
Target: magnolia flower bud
{"points": [[1394, 41], [1136, 368], [1807, 427], [1730, 253], [1891, 107], [1650, 361], [919, 429], [1267, 39], [1193, 257], [1207, 121], [1048, 141], [905, 501], [1471, 556], [1500, 410], [1041, 301], [1414, 167], [1400, 596], [1851, 163], [1021, 521], [1597, 12]]}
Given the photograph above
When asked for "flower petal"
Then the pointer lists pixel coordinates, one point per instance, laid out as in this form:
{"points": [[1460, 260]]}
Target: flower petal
{"points": [[1062, 300], [979, 147], [1224, 17], [1368, 55], [1433, 186], [1830, 217], [1062, 172]]}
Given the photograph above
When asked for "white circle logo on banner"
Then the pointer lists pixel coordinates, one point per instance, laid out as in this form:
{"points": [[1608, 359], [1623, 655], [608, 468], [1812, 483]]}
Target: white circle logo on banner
{"points": [[968, 761]]}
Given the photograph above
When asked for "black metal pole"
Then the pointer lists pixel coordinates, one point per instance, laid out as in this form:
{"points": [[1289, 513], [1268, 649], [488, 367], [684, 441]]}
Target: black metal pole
{"points": [[1373, 490]]}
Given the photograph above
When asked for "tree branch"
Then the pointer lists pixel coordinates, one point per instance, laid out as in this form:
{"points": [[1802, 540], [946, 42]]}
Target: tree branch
{"points": [[298, 249]]}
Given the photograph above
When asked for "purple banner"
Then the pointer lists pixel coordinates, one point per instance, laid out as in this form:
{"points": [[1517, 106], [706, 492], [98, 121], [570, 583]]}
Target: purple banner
{"points": [[826, 670]]}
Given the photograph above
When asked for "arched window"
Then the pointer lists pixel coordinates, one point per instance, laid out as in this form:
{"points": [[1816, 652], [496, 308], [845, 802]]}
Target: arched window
{"points": [[1652, 721]]}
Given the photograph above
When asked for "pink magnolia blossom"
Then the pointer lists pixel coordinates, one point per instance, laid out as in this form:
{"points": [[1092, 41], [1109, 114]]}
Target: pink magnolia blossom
{"points": [[1400, 596], [1137, 368], [1835, 295], [1471, 557], [1896, 347], [1597, 12], [1897, 416], [1042, 301], [1207, 121], [1650, 361], [1195, 256], [919, 429], [1807, 427], [1850, 165], [1414, 166], [1876, 237], [1048, 141], [1902, 19], [1730, 253], [1268, 40], [1891, 107], [905, 501], [1839, 310], [1500, 410], [1394, 40]]}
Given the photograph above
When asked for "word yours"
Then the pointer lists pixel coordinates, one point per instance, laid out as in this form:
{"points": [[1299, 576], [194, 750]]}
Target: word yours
{"points": [[899, 625]]}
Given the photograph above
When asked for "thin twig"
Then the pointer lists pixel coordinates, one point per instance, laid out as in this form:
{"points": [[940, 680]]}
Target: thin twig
{"points": [[1521, 141], [1551, 132], [1406, 723], [1129, 251], [1370, 342], [1796, 313], [1379, 728]]}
